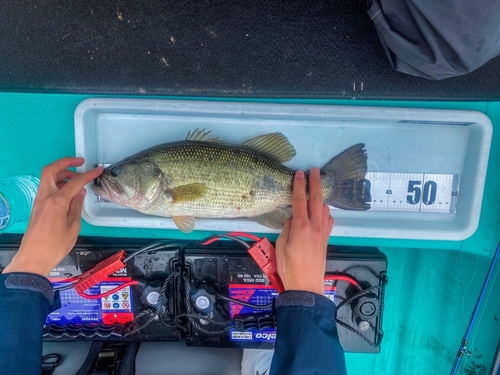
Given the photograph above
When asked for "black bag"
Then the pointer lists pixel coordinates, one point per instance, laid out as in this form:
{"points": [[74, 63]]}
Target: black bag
{"points": [[437, 39]]}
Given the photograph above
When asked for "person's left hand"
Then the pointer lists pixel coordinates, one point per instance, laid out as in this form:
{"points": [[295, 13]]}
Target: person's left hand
{"points": [[55, 219]]}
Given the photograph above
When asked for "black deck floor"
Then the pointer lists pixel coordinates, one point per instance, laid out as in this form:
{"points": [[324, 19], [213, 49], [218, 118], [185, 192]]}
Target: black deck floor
{"points": [[256, 48]]}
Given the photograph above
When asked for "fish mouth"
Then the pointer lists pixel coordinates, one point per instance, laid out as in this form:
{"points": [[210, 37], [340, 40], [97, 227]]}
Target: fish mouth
{"points": [[105, 189], [101, 191], [109, 190]]}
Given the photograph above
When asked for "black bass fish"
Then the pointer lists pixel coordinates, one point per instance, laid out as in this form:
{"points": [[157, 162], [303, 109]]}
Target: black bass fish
{"points": [[207, 178]]}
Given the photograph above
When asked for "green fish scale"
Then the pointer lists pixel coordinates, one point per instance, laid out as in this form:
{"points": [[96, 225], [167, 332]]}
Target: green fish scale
{"points": [[240, 182]]}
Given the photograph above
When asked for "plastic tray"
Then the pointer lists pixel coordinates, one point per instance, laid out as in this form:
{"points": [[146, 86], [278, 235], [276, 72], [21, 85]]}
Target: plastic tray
{"points": [[397, 140]]}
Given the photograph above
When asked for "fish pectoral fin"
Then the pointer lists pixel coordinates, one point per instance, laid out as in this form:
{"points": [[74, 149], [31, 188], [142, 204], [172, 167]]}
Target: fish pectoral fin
{"points": [[274, 219], [184, 223], [186, 193], [202, 136], [275, 146]]}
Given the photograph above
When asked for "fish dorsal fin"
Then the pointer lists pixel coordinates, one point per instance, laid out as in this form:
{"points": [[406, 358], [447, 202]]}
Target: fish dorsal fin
{"points": [[184, 223], [186, 193], [274, 219], [202, 135], [274, 146]]}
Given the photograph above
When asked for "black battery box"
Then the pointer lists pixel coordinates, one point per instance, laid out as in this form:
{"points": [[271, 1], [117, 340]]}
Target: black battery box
{"points": [[213, 296], [215, 272], [121, 315]]}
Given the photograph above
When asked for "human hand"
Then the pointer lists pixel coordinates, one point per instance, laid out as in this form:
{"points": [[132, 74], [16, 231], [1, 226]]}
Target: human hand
{"points": [[301, 247], [55, 219]]}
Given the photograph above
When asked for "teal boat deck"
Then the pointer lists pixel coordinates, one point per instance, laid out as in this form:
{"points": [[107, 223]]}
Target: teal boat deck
{"points": [[433, 285]]}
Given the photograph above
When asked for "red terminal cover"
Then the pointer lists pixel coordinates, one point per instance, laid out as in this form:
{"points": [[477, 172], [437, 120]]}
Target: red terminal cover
{"points": [[264, 254], [100, 272]]}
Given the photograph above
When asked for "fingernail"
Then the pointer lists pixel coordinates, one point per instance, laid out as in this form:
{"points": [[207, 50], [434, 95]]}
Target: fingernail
{"points": [[83, 193], [299, 174], [315, 170]]}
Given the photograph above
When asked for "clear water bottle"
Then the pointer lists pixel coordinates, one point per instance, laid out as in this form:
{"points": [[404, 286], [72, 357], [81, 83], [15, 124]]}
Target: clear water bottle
{"points": [[16, 199]]}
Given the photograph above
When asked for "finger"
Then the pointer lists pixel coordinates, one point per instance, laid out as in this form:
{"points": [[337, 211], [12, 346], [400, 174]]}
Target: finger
{"points": [[75, 185], [61, 184], [331, 222], [283, 237], [315, 204], [75, 209], [325, 214], [48, 178], [299, 199], [327, 219], [286, 228], [282, 240], [66, 175], [65, 163]]}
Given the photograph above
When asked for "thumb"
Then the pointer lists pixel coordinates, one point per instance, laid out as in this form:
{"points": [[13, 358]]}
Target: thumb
{"points": [[283, 237], [75, 208], [286, 228]]}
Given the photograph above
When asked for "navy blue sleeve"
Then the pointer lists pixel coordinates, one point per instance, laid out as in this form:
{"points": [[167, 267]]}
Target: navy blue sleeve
{"points": [[25, 301], [307, 341]]}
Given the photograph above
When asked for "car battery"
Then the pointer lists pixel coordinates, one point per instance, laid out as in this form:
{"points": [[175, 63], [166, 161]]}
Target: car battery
{"points": [[144, 311], [359, 320], [217, 274]]}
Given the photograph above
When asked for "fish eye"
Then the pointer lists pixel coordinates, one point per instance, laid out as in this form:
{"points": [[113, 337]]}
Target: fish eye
{"points": [[114, 171]]}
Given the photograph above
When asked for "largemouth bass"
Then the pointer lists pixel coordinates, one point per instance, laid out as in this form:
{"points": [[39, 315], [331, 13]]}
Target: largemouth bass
{"points": [[207, 178]]}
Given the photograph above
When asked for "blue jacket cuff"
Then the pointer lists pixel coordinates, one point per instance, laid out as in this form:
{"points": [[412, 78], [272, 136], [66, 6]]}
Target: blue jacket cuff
{"points": [[302, 299], [34, 283]]}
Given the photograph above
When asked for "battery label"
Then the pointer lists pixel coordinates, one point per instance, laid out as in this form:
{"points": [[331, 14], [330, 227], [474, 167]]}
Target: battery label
{"points": [[256, 289], [75, 309]]}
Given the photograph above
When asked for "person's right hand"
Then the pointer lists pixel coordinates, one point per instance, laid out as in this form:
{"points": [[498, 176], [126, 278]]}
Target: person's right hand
{"points": [[301, 247], [55, 219]]}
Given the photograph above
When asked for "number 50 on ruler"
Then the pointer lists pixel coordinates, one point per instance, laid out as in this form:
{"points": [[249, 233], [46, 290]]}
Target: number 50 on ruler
{"points": [[416, 192]]}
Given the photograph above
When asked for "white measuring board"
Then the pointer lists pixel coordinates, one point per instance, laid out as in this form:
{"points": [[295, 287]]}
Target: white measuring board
{"points": [[416, 192], [446, 152]]}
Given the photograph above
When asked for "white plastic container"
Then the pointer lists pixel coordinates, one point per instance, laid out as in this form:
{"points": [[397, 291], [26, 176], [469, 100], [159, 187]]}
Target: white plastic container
{"points": [[398, 140]]}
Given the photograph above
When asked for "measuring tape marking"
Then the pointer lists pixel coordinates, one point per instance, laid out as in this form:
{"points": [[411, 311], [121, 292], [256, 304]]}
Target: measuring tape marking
{"points": [[412, 192]]}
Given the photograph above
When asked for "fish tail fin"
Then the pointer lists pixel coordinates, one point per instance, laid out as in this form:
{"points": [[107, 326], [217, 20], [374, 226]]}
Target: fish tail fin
{"points": [[342, 173]]}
